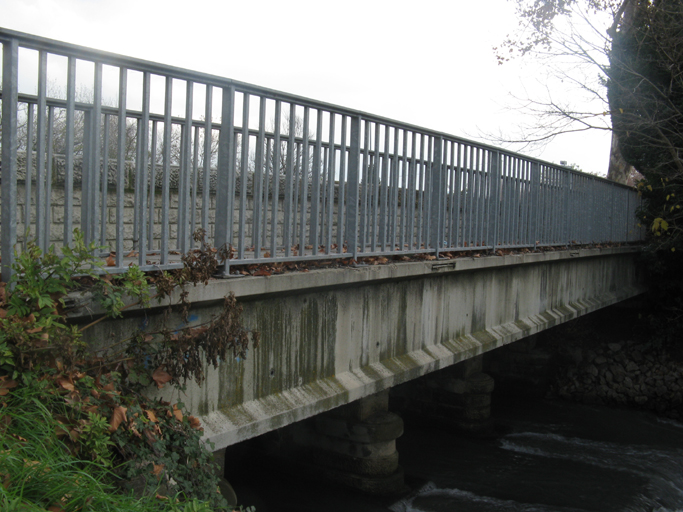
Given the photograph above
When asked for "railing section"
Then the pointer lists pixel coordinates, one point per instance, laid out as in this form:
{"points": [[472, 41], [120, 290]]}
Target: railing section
{"points": [[139, 156]]}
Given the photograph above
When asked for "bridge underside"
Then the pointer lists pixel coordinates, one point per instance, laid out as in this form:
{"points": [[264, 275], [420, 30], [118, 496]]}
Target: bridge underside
{"points": [[330, 337]]}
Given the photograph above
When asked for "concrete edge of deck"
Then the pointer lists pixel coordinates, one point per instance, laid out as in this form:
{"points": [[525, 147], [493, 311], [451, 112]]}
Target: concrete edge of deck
{"points": [[249, 287], [225, 427]]}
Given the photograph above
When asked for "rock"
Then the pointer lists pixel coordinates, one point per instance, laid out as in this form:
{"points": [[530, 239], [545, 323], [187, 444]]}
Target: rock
{"points": [[631, 366], [640, 400], [600, 360], [614, 347]]}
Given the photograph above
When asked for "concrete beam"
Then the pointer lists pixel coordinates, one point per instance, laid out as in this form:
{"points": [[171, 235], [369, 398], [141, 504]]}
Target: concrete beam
{"points": [[333, 336]]}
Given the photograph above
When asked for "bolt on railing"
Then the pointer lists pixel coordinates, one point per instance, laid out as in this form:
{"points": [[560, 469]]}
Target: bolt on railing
{"points": [[139, 155]]}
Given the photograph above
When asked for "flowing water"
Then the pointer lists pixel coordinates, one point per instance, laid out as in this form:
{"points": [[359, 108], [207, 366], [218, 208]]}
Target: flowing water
{"points": [[548, 456]]}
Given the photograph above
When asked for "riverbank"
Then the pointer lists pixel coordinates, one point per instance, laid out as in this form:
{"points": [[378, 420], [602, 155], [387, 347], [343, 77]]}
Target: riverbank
{"points": [[612, 358]]}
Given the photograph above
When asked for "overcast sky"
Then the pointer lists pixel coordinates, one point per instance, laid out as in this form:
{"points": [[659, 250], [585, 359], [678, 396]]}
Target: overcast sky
{"points": [[428, 63]]}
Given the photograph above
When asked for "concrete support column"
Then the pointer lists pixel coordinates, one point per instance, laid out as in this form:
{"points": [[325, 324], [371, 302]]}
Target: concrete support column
{"points": [[521, 367], [355, 445], [461, 396]]}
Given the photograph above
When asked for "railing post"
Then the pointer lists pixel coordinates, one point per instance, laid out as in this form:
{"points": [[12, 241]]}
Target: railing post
{"points": [[352, 198], [226, 174], [436, 191], [535, 202], [494, 199], [10, 99]]}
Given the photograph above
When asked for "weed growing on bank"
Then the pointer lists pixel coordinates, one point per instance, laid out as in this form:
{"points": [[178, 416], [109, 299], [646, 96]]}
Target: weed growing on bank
{"points": [[66, 409]]}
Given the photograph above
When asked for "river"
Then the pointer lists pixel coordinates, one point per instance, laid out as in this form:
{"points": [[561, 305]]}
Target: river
{"points": [[547, 456]]}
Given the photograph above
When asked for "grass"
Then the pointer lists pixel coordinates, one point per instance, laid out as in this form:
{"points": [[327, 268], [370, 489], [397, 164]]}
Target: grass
{"points": [[39, 473]]}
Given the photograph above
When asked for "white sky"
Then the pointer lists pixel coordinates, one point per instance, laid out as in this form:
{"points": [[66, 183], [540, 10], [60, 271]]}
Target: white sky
{"points": [[428, 63]]}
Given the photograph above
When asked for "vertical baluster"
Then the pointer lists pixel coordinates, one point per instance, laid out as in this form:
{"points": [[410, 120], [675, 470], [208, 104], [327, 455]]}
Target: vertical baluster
{"points": [[289, 182], [121, 164], [315, 200], [195, 183], [384, 193], [69, 149], [305, 166], [412, 191], [48, 175], [330, 186], [104, 182], [40, 151], [8, 160], [365, 184], [353, 181], [141, 165], [343, 183], [206, 164], [28, 177], [96, 166], [184, 234], [225, 193], [259, 177], [154, 135], [244, 175], [276, 179], [166, 172]]}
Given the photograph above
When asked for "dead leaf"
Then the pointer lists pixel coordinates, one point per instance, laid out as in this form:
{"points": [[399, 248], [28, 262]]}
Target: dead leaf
{"points": [[161, 377], [6, 385], [66, 383], [132, 254], [177, 412], [262, 272], [158, 468], [3, 312], [110, 261], [194, 422], [151, 416], [266, 254], [118, 416]]}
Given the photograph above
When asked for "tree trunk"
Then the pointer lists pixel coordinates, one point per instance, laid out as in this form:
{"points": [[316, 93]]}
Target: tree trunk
{"points": [[619, 169]]}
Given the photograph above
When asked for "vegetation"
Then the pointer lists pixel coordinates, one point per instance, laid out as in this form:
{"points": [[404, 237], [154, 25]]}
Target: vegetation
{"points": [[646, 100], [97, 419]]}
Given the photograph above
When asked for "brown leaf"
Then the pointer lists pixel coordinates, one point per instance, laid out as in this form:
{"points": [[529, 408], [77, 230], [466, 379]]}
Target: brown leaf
{"points": [[158, 468], [118, 416], [6, 385], [55, 508], [3, 312], [132, 254], [177, 412], [161, 377], [66, 383], [152, 417], [194, 422], [6, 481], [262, 272], [110, 261], [266, 254]]}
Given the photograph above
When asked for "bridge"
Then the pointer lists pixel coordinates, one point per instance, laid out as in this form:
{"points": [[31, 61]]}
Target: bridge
{"points": [[422, 250]]}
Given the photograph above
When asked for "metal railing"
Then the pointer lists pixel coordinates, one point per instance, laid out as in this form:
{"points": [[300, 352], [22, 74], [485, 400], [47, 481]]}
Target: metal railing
{"points": [[139, 155]]}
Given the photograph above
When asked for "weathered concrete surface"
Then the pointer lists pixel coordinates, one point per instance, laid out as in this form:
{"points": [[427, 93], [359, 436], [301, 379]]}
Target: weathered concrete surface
{"points": [[330, 337]]}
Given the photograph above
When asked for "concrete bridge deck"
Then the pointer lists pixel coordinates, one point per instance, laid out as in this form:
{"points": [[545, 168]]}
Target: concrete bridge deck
{"points": [[330, 337]]}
